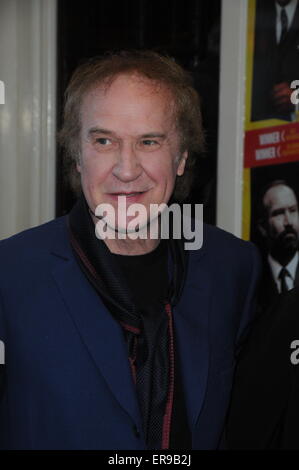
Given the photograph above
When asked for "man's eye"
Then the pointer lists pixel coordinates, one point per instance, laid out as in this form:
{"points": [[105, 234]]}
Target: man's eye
{"points": [[277, 213], [149, 143], [103, 141]]}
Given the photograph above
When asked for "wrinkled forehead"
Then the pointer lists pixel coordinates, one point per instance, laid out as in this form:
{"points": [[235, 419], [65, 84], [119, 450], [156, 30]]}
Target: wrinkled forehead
{"points": [[136, 80]]}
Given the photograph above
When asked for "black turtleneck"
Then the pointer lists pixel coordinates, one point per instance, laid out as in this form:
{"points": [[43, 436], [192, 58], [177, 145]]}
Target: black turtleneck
{"points": [[146, 275]]}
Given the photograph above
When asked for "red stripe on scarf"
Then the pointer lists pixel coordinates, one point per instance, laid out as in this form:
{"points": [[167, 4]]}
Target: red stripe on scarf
{"points": [[169, 405]]}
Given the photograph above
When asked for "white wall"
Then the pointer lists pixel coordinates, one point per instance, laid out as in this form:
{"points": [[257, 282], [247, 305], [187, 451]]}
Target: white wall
{"points": [[27, 119], [231, 115]]}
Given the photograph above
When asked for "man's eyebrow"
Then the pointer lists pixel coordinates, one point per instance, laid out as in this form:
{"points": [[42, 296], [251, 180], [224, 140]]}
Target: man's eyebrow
{"points": [[98, 130], [148, 135], [153, 134], [279, 210]]}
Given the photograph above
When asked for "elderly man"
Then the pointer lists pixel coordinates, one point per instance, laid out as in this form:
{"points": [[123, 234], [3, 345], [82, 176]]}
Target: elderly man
{"points": [[279, 226], [123, 342]]}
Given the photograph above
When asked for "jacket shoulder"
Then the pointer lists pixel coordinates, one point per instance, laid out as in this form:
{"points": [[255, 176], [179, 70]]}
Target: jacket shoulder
{"points": [[226, 247], [31, 242]]}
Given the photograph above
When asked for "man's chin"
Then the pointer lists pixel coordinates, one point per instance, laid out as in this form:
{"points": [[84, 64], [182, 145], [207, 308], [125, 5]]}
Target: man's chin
{"points": [[129, 229], [290, 243], [284, 251]]}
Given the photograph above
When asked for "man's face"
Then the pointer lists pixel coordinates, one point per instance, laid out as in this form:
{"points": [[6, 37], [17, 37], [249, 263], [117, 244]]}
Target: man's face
{"points": [[283, 219], [129, 144]]}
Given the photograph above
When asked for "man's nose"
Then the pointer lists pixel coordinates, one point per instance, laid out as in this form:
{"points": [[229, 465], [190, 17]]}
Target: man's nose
{"points": [[127, 167]]}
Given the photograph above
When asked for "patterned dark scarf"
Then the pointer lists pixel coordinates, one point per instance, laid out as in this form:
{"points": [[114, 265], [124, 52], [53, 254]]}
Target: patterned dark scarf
{"points": [[149, 333]]}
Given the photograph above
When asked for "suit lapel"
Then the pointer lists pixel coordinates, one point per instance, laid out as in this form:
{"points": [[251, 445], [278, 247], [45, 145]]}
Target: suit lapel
{"points": [[191, 320], [296, 282], [268, 289], [100, 333], [292, 35]]}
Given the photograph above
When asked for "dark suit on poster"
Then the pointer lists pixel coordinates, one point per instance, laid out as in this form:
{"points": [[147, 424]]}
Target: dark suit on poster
{"points": [[273, 62], [268, 290], [264, 411], [68, 383]]}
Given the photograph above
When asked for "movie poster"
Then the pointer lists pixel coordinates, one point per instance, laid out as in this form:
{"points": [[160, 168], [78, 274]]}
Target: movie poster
{"points": [[271, 142]]}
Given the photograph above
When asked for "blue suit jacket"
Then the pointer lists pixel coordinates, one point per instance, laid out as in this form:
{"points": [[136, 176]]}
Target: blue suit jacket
{"points": [[68, 383]]}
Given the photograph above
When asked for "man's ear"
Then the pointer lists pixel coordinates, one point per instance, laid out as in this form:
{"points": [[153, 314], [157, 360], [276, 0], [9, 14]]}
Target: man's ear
{"points": [[182, 164], [78, 167]]}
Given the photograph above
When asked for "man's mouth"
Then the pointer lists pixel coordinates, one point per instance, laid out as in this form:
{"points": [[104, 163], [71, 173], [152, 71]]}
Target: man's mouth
{"points": [[128, 194], [134, 196], [289, 234]]}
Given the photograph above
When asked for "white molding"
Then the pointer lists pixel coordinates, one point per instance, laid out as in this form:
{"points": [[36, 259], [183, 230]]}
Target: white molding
{"points": [[231, 115], [28, 117]]}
